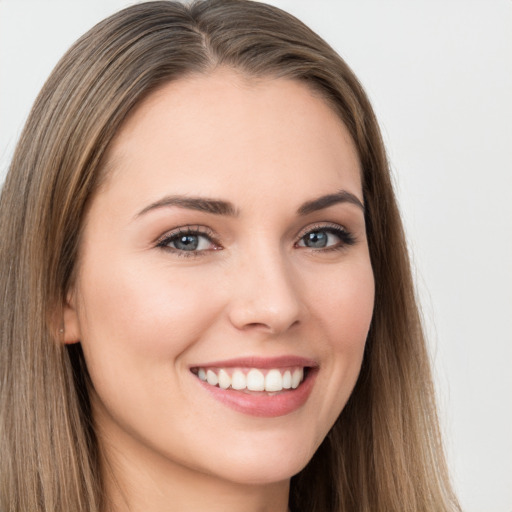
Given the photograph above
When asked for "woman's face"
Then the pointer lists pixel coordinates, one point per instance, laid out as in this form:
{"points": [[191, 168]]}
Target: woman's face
{"points": [[228, 244]]}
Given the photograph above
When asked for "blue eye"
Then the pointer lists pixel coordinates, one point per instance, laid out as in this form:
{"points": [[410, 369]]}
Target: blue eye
{"points": [[326, 237], [317, 239], [188, 241]]}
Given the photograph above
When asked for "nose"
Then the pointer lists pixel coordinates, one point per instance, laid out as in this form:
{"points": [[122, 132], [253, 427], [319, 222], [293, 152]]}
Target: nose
{"points": [[265, 294]]}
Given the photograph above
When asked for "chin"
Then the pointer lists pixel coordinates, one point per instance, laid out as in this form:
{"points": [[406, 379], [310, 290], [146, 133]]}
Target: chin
{"points": [[265, 463], [248, 473]]}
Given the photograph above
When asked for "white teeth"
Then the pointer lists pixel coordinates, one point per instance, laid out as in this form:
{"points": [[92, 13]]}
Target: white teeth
{"points": [[297, 376], [274, 381], [255, 380], [211, 378], [224, 379], [238, 380], [287, 379]]}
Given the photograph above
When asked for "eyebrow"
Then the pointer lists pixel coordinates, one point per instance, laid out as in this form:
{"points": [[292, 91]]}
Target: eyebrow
{"points": [[220, 207], [202, 204], [322, 202]]}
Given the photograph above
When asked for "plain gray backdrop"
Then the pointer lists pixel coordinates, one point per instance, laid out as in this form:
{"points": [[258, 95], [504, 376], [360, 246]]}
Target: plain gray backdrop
{"points": [[439, 74]]}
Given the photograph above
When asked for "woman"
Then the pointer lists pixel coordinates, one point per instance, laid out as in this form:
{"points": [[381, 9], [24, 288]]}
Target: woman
{"points": [[207, 296]]}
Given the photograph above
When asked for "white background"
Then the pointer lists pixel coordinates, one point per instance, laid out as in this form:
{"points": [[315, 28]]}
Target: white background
{"points": [[440, 76]]}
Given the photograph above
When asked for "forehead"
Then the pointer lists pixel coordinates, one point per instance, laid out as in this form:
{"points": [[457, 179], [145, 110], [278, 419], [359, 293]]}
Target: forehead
{"points": [[217, 126]]}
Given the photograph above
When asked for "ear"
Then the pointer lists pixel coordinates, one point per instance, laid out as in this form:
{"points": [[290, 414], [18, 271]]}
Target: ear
{"points": [[71, 323]]}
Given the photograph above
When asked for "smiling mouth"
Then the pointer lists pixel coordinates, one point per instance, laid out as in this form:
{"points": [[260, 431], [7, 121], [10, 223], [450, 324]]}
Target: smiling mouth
{"points": [[250, 380]]}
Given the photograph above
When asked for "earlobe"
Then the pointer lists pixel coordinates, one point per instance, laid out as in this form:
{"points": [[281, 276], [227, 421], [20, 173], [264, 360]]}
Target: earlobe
{"points": [[69, 332]]}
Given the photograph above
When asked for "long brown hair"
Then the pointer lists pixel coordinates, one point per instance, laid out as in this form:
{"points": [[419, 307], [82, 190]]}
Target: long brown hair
{"points": [[384, 451]]}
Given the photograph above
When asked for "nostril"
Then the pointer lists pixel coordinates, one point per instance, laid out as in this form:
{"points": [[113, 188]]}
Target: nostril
{"points": [[271, 327]]}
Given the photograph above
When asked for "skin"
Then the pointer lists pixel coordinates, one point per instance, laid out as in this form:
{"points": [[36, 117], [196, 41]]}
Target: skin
{"points": [[145, 314]]}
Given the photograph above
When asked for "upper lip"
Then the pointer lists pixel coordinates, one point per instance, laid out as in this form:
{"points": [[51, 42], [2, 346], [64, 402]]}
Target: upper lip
{"points": [[260, 362]]}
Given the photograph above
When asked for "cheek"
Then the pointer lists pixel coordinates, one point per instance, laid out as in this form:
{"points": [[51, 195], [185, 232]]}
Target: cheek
{"points": [[131, 310], [344, 308], [345, 305]]}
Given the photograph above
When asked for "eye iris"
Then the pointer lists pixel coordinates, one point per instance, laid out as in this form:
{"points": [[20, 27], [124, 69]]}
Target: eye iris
{"points": [[317, 239], [187, 242]]}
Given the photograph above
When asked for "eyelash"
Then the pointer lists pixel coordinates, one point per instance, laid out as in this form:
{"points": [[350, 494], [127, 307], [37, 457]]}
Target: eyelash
{"points": [[345, 237]]}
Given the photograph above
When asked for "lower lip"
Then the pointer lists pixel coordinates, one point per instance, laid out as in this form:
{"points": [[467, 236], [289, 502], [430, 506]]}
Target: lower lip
{"points": [[262, 404]]}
